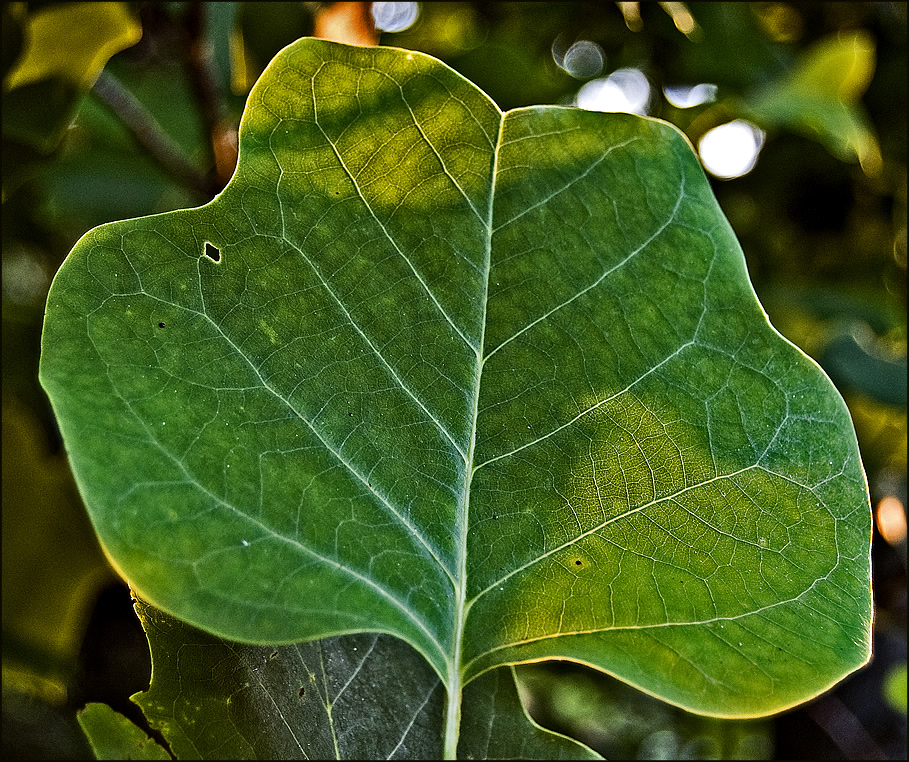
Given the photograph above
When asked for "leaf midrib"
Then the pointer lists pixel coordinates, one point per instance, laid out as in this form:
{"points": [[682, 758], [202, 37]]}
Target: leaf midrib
{"points": [[454, 684], [458, 576]]}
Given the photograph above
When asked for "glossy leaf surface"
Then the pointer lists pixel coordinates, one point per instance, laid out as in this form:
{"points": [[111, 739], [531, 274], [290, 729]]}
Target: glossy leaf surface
{"points": [[495, 384]]}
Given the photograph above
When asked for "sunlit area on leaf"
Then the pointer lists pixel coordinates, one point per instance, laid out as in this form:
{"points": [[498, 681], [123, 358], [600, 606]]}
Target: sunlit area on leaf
{"points": [[624, 91], [395, 17], [69, 41], [731, 150]]}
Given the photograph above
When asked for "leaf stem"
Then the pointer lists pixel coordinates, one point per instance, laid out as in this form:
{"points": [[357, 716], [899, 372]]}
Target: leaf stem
{"points": [[455, 685], [453, 715]]}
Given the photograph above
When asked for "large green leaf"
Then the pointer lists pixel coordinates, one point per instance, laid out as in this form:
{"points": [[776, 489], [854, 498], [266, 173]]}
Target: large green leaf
{"points": [[496, 384]]}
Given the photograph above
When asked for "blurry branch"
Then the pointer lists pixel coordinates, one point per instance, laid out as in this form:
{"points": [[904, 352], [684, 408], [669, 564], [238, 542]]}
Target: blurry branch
{"points": [[150, 135], [678, 12], [348, 22], [632, 14], [844, 728], [351, 23], [202, 75]]}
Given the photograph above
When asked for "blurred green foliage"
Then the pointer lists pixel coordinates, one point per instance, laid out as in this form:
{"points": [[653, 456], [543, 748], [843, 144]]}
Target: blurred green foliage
{"points": [[822, 220], [624, 723], [115, 737]]}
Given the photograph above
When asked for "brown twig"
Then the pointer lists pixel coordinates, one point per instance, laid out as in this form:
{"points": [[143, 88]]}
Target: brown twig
{"points": [[844, 728], [150, 135], [201, 70]]}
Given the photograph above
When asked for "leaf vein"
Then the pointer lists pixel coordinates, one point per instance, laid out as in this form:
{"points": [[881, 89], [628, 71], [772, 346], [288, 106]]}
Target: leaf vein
{"points": [[388, 235], [602, 277]]}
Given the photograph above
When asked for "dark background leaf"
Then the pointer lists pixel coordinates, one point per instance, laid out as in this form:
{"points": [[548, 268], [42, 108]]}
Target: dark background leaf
{"points": [[214, 699]]}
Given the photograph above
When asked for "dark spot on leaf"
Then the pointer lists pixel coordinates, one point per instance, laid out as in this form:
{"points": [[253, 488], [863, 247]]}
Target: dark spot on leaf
{"points": [[301, 691], [578, 562], [161, 325], [273, 655], [212, 252]]}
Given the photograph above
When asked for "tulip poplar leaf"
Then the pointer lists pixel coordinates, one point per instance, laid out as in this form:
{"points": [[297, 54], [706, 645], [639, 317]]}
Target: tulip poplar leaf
{"points": [[496, 384]]}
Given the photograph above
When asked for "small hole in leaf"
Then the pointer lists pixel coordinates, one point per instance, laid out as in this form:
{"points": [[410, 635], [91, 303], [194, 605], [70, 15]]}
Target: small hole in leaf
{"points": [[161, 325], [578, 562], [212, 252], [301, 691], [273, 655]]}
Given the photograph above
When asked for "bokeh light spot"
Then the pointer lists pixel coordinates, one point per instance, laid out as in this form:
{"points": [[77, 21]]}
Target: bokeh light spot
{"points": [[583, 60], [394, 17], [625, 90], [688, 96], [891, 520], [731, 150]]}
